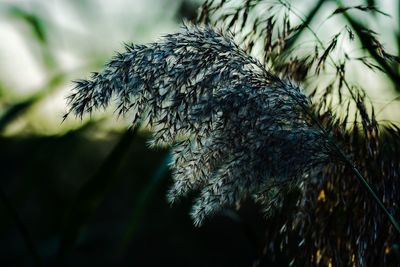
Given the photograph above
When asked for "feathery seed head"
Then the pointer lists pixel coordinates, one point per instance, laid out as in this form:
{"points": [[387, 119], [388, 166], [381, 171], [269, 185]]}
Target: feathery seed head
{"points": [[235, 129]]}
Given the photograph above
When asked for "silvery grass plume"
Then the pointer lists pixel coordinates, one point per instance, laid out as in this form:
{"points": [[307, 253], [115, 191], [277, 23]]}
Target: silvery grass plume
{"points": [[236, 130]]}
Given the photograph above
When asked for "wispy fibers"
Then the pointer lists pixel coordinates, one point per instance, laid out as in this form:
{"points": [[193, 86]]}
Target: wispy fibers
{"points": [[236, 130]]}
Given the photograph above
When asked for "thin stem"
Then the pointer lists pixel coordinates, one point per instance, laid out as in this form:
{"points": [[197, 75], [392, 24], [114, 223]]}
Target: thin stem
{"points": [[319, 41], [354, 169], [368, 187]]}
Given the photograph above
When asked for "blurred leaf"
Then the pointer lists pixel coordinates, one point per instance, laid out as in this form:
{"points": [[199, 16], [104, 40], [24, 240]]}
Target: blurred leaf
{"points": [[143, 200], [36, 23], [21, 228], [92, 194], [2, 90], [15, 110]]}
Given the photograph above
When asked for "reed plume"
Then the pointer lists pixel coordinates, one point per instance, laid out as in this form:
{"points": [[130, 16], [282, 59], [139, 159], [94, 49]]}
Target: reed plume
{"points": [[236, 130]]}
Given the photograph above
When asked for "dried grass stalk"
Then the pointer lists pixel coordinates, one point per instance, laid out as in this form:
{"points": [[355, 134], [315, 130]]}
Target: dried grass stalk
{"points": [[236, 129]]}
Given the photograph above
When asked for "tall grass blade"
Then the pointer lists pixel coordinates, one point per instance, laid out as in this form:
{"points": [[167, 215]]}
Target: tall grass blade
{"points": [[17, 109], [143, 200], [92, 194], [21, 228]]}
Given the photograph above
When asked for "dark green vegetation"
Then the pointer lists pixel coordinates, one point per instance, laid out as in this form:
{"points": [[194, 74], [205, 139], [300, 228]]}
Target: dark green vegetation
{"points": [[75, 200], [68, 201]]}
